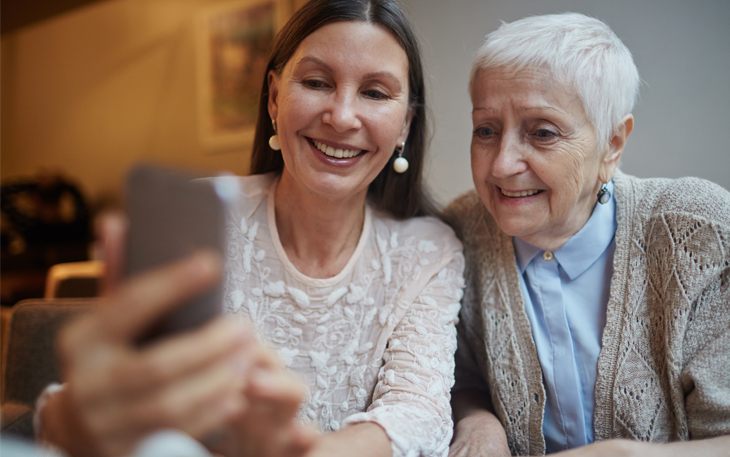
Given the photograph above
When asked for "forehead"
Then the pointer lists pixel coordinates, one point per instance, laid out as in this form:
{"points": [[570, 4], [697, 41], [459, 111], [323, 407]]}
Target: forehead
{"points": [[523, 88], [354, 45]]}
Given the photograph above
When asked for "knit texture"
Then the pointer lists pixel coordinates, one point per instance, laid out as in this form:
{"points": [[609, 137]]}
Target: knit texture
{"points": [[664, 367]]}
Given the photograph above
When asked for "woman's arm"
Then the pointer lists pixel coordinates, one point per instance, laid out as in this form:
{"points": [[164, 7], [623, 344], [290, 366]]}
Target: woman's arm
{"points": [[411, 399], [713, 447], [366, 439]]}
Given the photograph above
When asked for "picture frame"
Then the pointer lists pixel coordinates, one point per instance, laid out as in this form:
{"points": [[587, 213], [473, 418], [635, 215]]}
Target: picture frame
{"points": [[233, 42]]}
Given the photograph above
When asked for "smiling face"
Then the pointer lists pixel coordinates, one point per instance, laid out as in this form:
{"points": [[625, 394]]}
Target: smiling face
{"points": [[536, 161], [341, 106]]}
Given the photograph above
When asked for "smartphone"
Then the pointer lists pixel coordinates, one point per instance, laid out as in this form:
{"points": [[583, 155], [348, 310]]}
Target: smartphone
{"points": [[171, 216]]}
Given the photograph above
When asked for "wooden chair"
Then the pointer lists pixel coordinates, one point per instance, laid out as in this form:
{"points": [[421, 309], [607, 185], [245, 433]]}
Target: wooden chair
{"points": [[74, 279]]}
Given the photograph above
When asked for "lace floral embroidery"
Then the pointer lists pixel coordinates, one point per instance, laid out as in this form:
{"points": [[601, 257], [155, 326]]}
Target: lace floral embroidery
{"points": [[377, 345]]}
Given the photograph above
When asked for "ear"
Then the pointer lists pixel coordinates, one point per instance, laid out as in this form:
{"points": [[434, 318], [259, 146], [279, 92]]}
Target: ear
{"points": [[615, 149], [273, 94], [406, 130]]}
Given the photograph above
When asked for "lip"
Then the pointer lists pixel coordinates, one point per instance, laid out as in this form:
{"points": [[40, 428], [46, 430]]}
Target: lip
{"points": [[333, 161], [516, 201]]}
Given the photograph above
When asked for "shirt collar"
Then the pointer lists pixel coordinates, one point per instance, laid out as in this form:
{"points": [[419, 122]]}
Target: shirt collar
{"points": [[582, 249], [524, 252]]}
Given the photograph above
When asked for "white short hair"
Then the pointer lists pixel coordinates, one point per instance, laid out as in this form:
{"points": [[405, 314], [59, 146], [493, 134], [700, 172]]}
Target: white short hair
{"points": [[580, 51]]}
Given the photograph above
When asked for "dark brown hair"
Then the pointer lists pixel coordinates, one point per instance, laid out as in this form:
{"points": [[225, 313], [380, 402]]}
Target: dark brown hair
{"points": [[400, 195]]}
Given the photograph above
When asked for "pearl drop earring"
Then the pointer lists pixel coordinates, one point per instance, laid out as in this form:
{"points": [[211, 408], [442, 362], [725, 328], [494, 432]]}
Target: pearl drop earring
{"points": [[603, 195], [400, 165], [274, 139]]}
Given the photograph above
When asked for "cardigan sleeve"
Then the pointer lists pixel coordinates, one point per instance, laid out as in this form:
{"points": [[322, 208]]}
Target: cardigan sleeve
{"points": [[707, 378], [706, 374], [411, 397], [695, 219]]}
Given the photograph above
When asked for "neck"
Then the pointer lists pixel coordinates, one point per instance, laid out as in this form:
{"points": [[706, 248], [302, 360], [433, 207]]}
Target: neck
{"points": [[548, 243], [318, 233]]}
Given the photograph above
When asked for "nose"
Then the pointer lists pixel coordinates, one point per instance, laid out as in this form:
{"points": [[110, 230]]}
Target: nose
{"points": [[343, 112], [509, 157]]}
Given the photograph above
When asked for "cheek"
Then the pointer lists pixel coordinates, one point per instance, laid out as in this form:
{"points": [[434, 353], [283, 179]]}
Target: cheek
{"points": [[479, 163], [572, 180], [567, 174], [385, 124], [298, 105], [480, 172]]}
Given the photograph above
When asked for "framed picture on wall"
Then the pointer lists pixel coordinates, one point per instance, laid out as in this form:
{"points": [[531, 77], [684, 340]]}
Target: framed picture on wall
{"points": [[234, 39]]}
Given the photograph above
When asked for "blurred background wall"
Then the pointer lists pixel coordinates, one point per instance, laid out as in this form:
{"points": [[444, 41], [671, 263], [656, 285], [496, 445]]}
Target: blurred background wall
{"points": [[94, 90], [97, 88]]}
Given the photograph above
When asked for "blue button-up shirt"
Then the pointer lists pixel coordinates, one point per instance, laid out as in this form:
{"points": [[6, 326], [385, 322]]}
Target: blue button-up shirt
{"points": [[565, 300]]}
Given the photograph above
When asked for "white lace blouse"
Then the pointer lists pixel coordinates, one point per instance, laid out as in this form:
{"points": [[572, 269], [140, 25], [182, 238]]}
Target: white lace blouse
{"points": [[373, 344]]}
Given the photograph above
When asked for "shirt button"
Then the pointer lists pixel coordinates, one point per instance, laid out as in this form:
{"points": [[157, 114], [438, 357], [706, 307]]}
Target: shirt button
{"points": [[547, 255]]}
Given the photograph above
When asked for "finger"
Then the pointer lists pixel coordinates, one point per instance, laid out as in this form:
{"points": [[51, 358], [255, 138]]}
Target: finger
{"points": [[112, 233], [293, 440], [301, 439], [261, 357], [210, 422], [222, 341], [271, 415], [78, 339], [276, 393], [196, 404], [275, 386], [149, 296]]}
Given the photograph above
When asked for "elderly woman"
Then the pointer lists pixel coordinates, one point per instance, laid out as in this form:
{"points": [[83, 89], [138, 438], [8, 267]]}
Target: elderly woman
{"points": [[597, 303], [331, 257]]}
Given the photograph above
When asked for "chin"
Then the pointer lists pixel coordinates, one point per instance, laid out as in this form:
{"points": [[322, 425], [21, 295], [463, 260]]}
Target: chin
{"points": [[515, 227], [335, 185]]}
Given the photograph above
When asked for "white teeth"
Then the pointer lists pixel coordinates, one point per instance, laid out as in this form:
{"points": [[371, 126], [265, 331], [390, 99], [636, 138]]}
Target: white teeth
{"points": [[336, 153], [524, 193]]}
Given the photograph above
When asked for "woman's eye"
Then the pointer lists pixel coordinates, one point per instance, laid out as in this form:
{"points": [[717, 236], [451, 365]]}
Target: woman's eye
{"points": [[375, 95], [484, 132], [545, 134], [315, 84]]}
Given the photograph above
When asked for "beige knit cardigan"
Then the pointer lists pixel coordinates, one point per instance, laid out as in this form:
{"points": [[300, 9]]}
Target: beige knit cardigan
{"points": [[664, 367]]}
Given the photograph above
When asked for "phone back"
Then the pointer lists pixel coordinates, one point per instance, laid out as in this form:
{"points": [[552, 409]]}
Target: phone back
{"points": [[170, 218]]}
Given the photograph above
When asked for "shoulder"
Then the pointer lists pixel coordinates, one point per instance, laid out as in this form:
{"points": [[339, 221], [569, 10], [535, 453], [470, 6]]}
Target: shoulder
{"points": [[245, 194], [428, 235], [463, 208], [673, 230], [245, 186], [687, 198], [471, 221]]}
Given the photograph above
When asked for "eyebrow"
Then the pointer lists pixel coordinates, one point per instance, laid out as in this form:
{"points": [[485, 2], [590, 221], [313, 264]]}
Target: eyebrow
{"points": [[373, 75], [316, 61], [542, 107], [532, 108]]}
